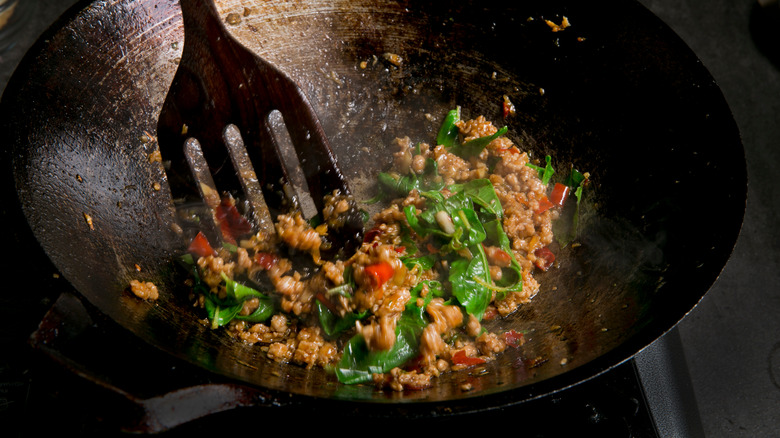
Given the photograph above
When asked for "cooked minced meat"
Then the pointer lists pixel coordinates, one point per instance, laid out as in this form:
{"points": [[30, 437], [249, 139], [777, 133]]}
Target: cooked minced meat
{"points": [[144, 290], [405, 290]]}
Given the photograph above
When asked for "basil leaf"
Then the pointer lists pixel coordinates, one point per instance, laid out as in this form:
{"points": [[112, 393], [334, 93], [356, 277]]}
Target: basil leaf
{"points": [[188, 262], [448, 132], [223, 311], [396, 186], [332, 324], [240, 291], [546, 172], [565, 228], [575, 179], [408, 242], [399, 186], [468, 229], [220, 315], [264, 311], [482, 193], [415, 312], [477, 145], [344, 290], [470, 280], [423, 224], [512, 276], [424, 263], [358, 363], [430, 178]]}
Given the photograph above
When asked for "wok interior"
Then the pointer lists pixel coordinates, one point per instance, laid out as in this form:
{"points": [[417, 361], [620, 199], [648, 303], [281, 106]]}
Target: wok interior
{"points": [[623, 99]]}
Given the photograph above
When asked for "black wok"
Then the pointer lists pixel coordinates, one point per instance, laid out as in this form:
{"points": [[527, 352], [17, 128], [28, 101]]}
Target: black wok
{"points": [[617, 94]]}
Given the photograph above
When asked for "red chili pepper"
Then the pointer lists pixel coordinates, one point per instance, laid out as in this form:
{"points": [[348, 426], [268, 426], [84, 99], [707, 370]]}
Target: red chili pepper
{"points": [[231, 222], [559, 194], [460, 358], [544, 205], [200, 246], [513, 338], [371, 235], [544, 258], [326, 302], [379, 273], [266, 259]]}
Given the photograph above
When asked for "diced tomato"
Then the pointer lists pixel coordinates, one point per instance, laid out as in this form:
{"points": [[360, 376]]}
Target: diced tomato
{"points": [[460, 358], [231, 222], [379, 273], [200, 246], [266, 259], [544, 205], [544, 258], [513, 338], [559, 194]]}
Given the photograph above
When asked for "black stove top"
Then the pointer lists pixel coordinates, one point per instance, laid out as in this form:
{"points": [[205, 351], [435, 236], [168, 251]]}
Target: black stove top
{"points": [[717, 374]]}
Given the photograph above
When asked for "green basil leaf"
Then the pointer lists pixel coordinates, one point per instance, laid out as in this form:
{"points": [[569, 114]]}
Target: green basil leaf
{"points": [[358, 363], [468, 229], [415, 312], [477, 145], [332, 324], [264, 311], [430, 178], [423, 263], [227, 309], [512, 276], [566, 227], [482, 193], [408, 242], [575, 179], [448, 132], [394, 186], [423, 224], [546, 172], [470, 280], [220, 315]]}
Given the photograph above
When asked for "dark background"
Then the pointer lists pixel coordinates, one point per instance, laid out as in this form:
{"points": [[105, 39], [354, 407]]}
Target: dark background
{"points": [[731, 340]]}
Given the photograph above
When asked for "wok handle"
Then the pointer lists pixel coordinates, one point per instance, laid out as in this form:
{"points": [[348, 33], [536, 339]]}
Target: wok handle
{"points": [[178, 407], [172, 392], [666, 381]]}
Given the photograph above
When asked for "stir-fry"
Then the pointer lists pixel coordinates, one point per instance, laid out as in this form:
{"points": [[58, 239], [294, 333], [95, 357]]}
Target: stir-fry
{"points": [[464, 224]]}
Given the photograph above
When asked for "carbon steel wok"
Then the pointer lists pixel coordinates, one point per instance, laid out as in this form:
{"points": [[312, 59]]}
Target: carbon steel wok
{"points": [[616, 94]]}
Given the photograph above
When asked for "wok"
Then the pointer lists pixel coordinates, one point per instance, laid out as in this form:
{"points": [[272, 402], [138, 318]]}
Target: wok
{"points": [[617, 94]]}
